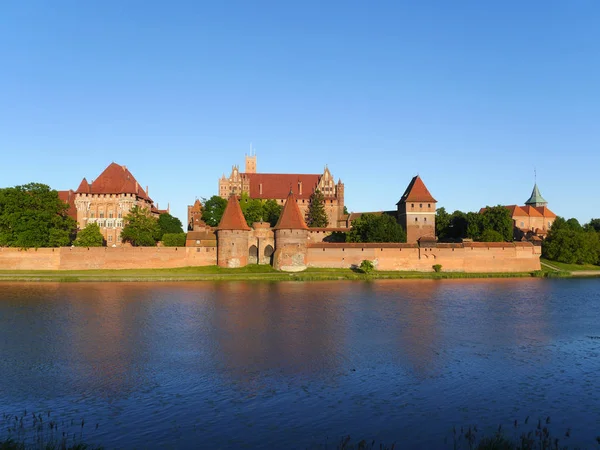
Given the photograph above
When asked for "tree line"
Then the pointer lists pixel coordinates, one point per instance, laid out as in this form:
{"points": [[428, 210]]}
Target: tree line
{"points": [[33, 216]]}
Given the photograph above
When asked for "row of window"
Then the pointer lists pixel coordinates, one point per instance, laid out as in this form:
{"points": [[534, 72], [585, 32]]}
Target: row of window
{"points": [[412, 205], [101, 215], [108, 223]]}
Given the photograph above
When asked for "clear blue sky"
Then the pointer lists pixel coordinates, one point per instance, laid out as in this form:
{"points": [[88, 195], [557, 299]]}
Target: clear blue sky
{"points": [[472, 95]]}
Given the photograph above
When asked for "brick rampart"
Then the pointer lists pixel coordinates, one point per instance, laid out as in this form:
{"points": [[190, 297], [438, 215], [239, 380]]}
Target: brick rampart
{"points": [[478, 257], [80, 258], [474, 257]]}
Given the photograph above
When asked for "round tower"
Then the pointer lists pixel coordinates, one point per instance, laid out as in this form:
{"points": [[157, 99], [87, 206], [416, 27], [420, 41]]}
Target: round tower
{"points": [[232, 236], [291, 237]]}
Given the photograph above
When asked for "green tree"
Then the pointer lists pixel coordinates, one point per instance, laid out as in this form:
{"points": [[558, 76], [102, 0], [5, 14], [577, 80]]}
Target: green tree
{"points": [[33, 215], [498, 218], [376, 228], [271, 212], [90, 236], [491, 236], [168, 224], [568, 242], [458, 225], [317, 217], [213, 210], [141, 229], [594, 224], [474, 224], [174, 239], [346, 210], [442, 223], [252, 209]]}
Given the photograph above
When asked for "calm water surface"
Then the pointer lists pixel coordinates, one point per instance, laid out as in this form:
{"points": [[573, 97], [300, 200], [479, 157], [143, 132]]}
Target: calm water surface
{"points": [[245, 365]]}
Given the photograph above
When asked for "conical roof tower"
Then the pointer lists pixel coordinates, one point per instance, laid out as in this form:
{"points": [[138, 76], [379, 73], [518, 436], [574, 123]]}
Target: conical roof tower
{"points": [[291, 218], [233, 218]]}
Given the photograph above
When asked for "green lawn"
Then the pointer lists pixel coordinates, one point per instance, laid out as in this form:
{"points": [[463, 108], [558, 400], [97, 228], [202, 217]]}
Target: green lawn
{"points": [[213, 273], [570, 267]]}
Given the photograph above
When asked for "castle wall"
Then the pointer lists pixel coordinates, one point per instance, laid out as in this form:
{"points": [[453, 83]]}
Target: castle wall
{"points": [[477, 257], [81, 258], [291, 254]]}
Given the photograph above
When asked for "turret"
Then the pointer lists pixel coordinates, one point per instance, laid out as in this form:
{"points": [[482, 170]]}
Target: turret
{"points": [[416, 211], [232, 236], [291, 237]]}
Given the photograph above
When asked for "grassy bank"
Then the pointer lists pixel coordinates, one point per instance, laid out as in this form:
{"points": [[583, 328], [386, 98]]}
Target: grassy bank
{"points": [[249, 273], [570, 267]]}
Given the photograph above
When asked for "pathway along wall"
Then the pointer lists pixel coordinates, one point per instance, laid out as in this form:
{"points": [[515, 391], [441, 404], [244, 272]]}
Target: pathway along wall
{"points": [[467, 257], [80, 258]]}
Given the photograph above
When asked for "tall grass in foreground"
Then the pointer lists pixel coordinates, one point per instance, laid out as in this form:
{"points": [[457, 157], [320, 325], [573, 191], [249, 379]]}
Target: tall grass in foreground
{"points": [[41, 432], [520, 437]]}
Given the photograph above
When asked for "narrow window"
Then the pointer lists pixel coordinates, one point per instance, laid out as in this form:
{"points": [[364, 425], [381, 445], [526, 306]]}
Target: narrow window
{"points": [[420, 205]]}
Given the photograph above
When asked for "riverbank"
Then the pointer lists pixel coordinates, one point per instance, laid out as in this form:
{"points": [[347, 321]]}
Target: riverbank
{"points": [[253, 273]]}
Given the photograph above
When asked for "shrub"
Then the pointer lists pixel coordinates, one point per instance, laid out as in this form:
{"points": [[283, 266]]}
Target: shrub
{"points": [[173, 239], [437, 267], [366, 266]]}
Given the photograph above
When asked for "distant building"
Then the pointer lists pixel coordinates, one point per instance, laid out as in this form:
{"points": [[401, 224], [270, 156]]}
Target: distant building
{"points": [[416, 211], [277, 186], [108, 199], [534, 219], [194, 215]]}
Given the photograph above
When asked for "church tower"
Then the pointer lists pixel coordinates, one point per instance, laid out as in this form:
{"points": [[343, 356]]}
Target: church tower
{"points": [[536, 198], [250, 164], [416, 211]]}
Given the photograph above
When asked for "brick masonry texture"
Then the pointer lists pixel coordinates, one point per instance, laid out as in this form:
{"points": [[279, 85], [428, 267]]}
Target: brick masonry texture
{"points": [[508, 257]]}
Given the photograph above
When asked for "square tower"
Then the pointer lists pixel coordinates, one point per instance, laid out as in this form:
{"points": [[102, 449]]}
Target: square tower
{"points": [[416, 211]]}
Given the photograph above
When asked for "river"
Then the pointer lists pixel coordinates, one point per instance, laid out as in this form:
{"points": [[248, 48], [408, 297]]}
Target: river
{"points": [[302, 364]]}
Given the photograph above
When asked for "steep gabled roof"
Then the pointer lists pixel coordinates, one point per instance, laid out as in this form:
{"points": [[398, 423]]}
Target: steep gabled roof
{"points": [[536, 197], [233, 218], [291, 217], [197, 206], [69, 198], [416, 192], [115, 179], [278, 185], [531, 211], [545, 211], [516, 211]]}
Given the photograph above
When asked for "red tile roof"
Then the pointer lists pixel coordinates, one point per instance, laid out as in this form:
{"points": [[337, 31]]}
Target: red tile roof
{"points": [[531, 211], [233, 218], [115, 179], [417, 192], [278, 185], [544, 211], [69, 198], [291, 217]]}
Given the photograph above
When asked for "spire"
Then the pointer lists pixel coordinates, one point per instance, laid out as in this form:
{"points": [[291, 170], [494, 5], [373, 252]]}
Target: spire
{"points": [[233, 218], [291, 217], [536, 198]]}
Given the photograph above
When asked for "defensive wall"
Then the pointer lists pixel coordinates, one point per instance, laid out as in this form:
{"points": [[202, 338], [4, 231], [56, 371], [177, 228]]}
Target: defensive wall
{"points": [[81, 258], [465, 257]]}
